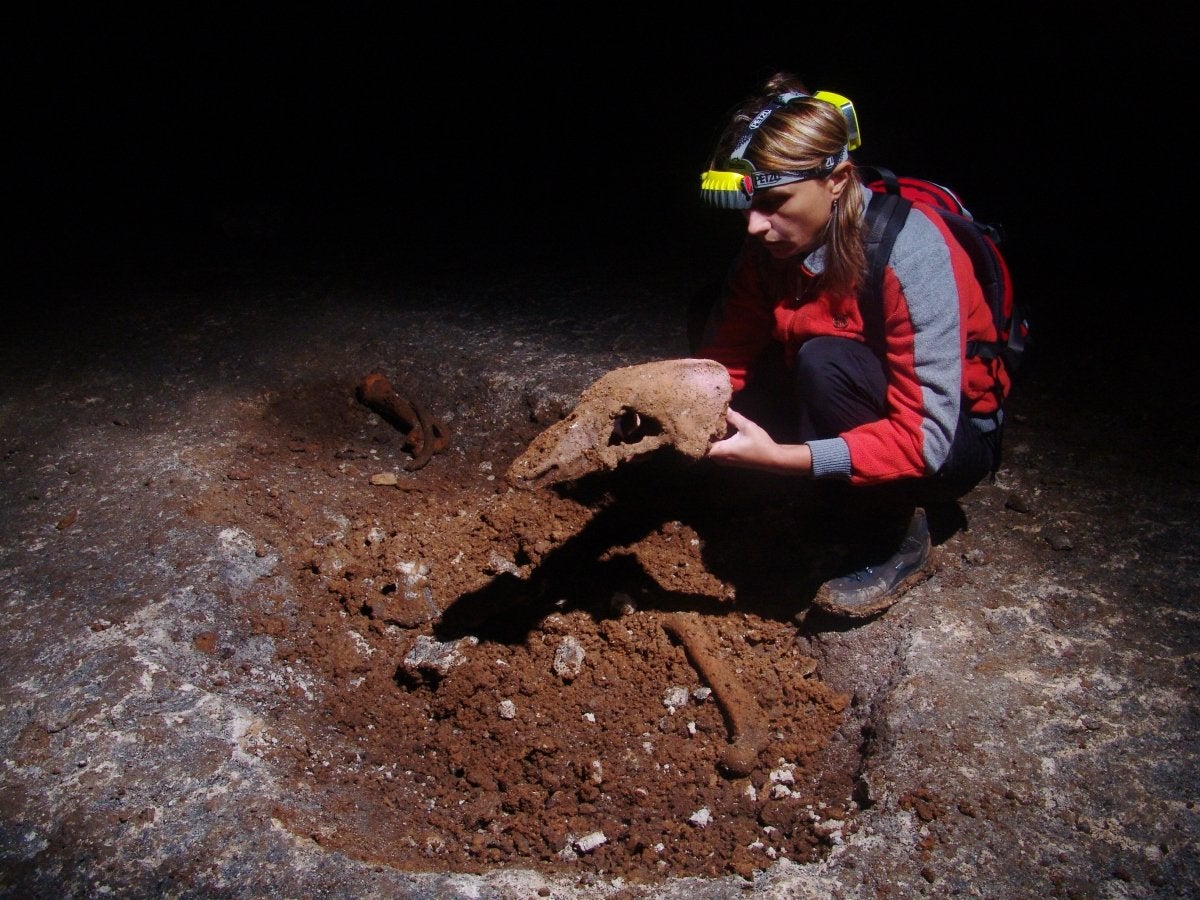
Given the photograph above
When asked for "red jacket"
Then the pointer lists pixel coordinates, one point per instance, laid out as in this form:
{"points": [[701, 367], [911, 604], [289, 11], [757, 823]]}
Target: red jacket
{"points": [[932, 306]]}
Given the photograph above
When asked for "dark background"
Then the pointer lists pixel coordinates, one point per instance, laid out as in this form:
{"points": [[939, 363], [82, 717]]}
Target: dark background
{"points": [[468, 137]]}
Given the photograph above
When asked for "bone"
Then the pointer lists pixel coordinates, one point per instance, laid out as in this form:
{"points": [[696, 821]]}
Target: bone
{"points": [[631, 411], [425, 435], [748, 731]]}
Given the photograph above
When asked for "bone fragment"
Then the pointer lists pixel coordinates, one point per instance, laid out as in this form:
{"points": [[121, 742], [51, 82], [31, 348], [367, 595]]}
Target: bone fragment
{"points": [[747, 722], [425, 434]]}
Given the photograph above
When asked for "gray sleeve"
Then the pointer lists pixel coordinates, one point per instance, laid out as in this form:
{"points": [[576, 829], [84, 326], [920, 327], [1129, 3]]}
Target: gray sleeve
{"points": [[922, 263], [830, 458]]}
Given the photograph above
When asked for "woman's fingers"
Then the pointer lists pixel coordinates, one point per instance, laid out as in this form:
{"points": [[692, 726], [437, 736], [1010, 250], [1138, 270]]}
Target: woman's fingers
{"points": [[735, 418]]}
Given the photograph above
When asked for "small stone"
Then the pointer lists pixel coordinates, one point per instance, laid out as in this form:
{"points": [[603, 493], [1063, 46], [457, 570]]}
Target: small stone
{"points": [[590, 842], [622, 604], [675, 697], [387, 479], [975, 557], [1057, 538], [1016, 503], [430, 655], [568, 659]]}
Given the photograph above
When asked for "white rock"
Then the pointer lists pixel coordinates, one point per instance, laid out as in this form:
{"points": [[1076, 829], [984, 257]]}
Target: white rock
{"points": [[590, 842], [428, 653], [675, 697], [568, 658], [497, 564]]}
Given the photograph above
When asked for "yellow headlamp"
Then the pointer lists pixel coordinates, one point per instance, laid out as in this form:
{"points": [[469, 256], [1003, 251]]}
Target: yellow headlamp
{"points": [[727, 190], [846, 108], [732, 186]]}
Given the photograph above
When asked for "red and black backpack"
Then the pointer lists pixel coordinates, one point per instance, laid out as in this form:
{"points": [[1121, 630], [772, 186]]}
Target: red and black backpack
{"points": [[892, 199]]}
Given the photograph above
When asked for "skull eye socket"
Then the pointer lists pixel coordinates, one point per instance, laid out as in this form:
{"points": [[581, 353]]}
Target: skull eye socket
{"points": [[627, 427], [631, 427]]}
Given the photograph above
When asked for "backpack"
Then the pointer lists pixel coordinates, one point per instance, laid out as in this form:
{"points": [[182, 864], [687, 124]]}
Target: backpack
{"points": [[892, 199]]}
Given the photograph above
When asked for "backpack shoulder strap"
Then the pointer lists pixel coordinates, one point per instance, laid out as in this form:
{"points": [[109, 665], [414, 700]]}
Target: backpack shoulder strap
{"points": [[891, 184], [886, 215]]}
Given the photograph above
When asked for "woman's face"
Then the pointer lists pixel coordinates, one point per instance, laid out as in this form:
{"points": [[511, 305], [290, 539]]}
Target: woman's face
{"points": [[791, 219]]}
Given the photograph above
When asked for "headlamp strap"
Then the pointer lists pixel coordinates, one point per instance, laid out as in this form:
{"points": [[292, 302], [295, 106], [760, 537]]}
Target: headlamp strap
{"points": [[767, 179], [778, 102]]}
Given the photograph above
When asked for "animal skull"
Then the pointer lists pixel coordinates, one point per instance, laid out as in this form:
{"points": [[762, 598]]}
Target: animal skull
{"points": [[629, 412]]}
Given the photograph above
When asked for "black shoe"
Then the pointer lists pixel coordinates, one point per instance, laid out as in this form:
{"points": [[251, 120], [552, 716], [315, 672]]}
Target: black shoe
{"points": [[874, 588]]}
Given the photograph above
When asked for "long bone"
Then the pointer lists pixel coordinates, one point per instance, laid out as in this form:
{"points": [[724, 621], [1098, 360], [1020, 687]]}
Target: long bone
{"points": [[424, 434]]}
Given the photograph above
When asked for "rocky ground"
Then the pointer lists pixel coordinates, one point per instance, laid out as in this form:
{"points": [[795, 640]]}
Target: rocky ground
{"points": [[249, 647]]}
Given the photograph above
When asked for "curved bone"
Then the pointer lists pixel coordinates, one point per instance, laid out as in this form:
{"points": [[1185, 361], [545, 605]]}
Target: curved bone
{"points": [[424, 434], [677, 403], [748, 725]]}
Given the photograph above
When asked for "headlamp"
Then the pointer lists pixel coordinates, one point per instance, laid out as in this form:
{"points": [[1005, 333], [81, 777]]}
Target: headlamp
{"points": [[846, 108], [733, 183]]}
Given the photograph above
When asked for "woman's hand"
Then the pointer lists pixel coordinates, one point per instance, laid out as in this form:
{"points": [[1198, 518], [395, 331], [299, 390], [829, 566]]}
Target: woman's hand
{"points": [[752, 448]]}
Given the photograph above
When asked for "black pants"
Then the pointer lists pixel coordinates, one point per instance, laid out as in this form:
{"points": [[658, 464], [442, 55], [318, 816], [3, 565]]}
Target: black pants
{"points": [[838, 384]]}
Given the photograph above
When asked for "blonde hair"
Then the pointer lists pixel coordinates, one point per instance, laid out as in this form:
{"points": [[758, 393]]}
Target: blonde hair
{"points": [[801, 135]]}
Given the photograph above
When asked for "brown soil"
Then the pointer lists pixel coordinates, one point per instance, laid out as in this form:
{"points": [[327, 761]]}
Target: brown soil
{"points": [[566, 678]]}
